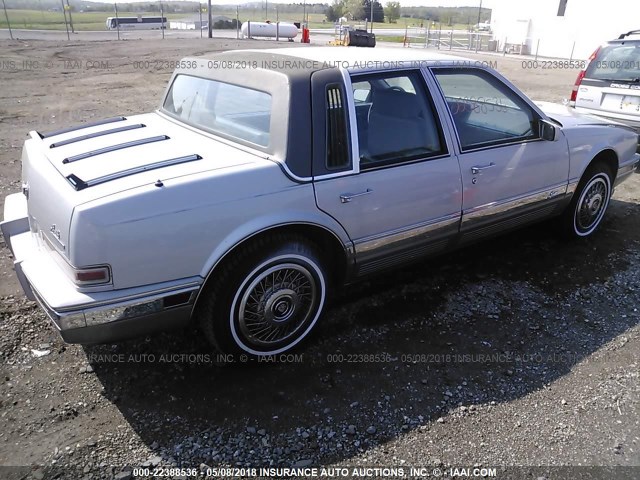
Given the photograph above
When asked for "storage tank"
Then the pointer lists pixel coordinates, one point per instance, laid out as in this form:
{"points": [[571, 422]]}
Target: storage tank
{"points": [[270, 30]]}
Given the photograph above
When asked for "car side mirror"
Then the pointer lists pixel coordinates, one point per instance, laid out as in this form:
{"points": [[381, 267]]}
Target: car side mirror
{"points": [[547, 130]]}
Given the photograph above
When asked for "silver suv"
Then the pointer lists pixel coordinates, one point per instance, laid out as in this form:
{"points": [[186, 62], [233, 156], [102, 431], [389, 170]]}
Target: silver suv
{"points": [[610, 84]]}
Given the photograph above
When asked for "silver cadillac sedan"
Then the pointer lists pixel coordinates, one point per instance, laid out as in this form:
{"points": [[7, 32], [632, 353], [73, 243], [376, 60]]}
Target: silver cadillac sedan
{"points": [[268, 178]]}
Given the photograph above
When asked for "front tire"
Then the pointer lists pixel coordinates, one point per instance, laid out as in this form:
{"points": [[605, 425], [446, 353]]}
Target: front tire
{"points": [[586, 210], [266, 299]]}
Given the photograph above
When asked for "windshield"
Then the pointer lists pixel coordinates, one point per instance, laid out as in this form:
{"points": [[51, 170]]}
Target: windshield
{"points": [[620, 62], [230, 110]]}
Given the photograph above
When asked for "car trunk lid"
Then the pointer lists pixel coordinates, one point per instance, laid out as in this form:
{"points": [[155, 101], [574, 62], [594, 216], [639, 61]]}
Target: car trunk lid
{"points": [[66, 168]]}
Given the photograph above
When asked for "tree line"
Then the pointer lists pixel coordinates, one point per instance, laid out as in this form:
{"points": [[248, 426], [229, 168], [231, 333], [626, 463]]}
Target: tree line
{"points": [[361, 10]]}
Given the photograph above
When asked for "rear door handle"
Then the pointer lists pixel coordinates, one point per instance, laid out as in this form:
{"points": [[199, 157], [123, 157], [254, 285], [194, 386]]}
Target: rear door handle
{"points": [[479, 168], [347, 197]]}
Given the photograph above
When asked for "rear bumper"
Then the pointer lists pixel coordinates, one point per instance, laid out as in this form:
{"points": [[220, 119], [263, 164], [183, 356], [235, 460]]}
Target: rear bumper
{"points": [[90, 317]]}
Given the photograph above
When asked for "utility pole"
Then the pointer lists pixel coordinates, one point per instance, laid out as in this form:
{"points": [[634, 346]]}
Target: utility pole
{"points": [[209, 18], [200, 12], [479, 12], [115, 6], [371, 16], [70, 19], [7, 17], [161, 19], [66, 25]]}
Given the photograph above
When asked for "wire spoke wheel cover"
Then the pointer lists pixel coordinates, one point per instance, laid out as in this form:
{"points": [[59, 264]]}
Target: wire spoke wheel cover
{"points": [[592, 204], [277, 304]]}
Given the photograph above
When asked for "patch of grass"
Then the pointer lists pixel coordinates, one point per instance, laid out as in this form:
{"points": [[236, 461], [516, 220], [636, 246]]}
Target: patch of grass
{"points": [[390, 38], [85, 21], [82, 21]]}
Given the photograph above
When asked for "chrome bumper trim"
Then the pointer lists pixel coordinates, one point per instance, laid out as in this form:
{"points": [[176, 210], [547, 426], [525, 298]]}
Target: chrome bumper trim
{"points": [[123, 309]]}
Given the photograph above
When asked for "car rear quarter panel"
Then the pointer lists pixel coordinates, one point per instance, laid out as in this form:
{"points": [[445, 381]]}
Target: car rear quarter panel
{"points": [[155, 234]]}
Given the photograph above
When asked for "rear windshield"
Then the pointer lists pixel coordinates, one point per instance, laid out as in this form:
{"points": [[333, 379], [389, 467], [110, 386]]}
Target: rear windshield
{"points": [[616, 62], [230, 110]]}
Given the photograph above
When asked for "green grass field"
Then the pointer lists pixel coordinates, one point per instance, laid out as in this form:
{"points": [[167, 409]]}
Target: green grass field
{"points": [[41, 20]]}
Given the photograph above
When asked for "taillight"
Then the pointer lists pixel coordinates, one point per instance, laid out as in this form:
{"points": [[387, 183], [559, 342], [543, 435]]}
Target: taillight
{"points": [[576, 85], [574, 92], [92, 276]]}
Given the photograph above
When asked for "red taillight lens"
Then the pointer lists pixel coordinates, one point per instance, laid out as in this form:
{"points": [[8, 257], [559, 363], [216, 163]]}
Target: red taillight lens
{"points": [[90, 276], [574, 92]]}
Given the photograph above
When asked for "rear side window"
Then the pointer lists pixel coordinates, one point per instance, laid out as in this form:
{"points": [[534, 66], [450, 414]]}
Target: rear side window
{"points": [[337, 137], [230, 110], [619, 63]]}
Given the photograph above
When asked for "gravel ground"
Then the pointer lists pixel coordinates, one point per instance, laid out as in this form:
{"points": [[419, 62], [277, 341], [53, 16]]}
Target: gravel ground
{"points": [[526, 354]]}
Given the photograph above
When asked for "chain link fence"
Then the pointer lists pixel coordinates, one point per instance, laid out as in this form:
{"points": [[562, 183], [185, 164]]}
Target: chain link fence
{"points": [[64, 22], [422, 37]]}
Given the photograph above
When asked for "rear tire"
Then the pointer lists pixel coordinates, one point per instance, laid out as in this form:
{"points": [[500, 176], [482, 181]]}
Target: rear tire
{"points": [[589, 204], [266, 299]]}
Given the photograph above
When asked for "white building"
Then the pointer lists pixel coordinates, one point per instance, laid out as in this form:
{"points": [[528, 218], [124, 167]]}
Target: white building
{"points": [[561, 28]]}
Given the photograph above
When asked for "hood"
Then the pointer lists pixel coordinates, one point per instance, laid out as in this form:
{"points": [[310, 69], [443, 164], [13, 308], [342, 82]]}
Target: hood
{"points": [[126, 152], [568, 117]]}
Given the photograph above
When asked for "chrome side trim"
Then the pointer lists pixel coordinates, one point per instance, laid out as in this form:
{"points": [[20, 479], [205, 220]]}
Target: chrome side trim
{"points": [[505, 207], [571, 188], [145, 306], [387, 239]]}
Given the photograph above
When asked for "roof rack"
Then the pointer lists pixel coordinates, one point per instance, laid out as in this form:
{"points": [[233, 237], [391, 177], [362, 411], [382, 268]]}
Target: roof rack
{"points": [[632, 32]]}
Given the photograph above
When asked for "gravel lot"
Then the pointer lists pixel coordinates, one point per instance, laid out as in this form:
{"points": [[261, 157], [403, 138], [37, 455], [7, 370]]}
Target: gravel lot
{"points": [[526, 354]]}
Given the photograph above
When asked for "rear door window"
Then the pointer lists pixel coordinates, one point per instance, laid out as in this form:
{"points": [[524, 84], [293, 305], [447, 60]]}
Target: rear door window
{"points": [[395, 119]]}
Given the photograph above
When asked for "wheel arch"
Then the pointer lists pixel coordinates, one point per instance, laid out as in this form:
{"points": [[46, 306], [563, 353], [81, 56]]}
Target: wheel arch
{"points": [[609, 157], [336, 250]]}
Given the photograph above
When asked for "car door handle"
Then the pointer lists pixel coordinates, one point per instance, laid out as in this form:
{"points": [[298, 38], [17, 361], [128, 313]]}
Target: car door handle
{"points": [[478, 169], [347, 197]]}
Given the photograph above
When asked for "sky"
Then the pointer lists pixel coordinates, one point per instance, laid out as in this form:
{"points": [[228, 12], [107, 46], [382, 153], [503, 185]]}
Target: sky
{"points": [[404, 3]]}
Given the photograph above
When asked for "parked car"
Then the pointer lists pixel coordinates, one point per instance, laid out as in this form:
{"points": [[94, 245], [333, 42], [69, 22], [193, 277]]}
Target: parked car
{"points": [[609, 86], [267, 178]]}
